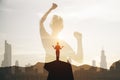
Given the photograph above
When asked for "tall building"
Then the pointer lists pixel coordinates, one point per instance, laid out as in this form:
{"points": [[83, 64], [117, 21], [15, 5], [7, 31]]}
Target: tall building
{"points": [[94, 63], [16, 63], [7, 55], [103, 62]]}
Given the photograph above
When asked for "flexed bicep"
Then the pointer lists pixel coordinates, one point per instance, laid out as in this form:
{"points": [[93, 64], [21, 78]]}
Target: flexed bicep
{"points": [[78, 56]]}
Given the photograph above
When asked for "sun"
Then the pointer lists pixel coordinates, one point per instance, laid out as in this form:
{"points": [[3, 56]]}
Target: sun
{"points": [[60, 37]]}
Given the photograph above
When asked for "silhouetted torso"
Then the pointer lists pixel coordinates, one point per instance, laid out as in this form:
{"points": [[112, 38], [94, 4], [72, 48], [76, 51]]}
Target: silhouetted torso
{"points": [[50, 39]]}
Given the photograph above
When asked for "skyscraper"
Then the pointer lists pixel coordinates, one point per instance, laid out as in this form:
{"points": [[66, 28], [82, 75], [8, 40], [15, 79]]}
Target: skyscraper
{"points": [[94, 63], [103, 62], [7, 55], [16, 63]]}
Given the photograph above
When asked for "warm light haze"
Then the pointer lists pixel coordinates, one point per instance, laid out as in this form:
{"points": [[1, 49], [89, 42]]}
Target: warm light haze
{"points": [[97, 20]]}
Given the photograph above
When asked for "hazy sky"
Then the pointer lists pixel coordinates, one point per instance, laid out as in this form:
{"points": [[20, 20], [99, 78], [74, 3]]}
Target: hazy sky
{"points": [[97, 20]]}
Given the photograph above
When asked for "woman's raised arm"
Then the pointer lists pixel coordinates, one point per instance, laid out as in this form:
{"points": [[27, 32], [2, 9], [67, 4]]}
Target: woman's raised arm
{"points": [[46, 14]]}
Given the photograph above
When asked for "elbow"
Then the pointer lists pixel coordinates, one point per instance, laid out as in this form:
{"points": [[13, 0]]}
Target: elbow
{"points": [[41, 23]]}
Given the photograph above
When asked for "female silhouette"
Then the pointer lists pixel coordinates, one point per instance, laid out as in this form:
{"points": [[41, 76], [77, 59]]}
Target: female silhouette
{"points": [[56, 26]]}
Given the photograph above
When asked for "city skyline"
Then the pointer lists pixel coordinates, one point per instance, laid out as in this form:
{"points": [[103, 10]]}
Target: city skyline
{"points": [[7, 60], [98, 21]]}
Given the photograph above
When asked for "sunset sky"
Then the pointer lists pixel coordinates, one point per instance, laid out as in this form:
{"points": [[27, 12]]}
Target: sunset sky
{"points": [[97, 20]]}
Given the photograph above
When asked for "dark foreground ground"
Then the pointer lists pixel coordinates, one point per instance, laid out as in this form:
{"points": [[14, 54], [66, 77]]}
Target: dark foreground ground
{"points": [[41, 71]]}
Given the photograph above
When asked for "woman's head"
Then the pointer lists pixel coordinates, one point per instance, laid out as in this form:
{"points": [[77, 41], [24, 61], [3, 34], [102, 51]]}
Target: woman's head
{"points": [[56, 24]]}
